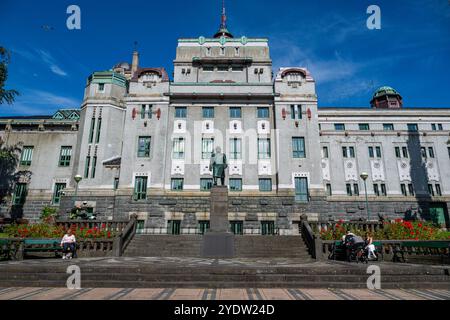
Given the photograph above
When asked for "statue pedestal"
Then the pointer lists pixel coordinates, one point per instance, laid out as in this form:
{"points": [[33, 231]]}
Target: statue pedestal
{"points": [[218, 242]]}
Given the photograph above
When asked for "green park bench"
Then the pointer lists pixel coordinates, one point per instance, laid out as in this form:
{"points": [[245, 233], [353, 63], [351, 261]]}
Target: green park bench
{"points": [[42, 245]]}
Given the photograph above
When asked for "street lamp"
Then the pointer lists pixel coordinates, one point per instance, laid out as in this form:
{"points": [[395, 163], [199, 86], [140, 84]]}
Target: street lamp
{"points": [[77, 179], [364, 176]]}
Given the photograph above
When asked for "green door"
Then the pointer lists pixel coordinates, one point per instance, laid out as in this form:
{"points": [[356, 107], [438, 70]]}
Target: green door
{"points": [[174, 227], [437, 214], [237, 227], [267, 228]]}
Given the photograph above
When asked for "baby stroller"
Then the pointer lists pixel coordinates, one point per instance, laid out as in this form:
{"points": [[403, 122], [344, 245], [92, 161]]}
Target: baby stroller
{"points": [[355, 250]]}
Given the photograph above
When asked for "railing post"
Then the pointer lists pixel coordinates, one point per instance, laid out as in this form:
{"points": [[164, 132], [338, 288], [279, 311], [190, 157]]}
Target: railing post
{"points": [[318, 248], [117, 247]]}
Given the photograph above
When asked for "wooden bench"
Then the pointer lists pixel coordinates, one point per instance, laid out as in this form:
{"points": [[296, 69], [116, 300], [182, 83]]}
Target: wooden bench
{"points": [[42, 245]]}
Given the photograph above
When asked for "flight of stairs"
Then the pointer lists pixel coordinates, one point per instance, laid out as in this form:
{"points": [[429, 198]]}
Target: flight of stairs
{"points": [[245, 247]]}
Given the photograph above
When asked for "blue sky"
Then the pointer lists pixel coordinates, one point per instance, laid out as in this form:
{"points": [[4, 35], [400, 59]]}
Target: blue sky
{"points": [[411, 52]]}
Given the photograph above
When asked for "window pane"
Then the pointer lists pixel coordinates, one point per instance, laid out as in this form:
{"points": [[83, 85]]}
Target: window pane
{"points": [[91, 130], [397, 152], [265, 185], [57, 192], [235, 112], [411, 189], [388, 127], [140, 188], [298, 147], [349, 189], [301, 189], [26, 156], [235, 149], [180, 112], [177, 184], [207, 148], [65, 156], [364, 126], [378, 151], [86, 167], [339, 127], [431, 152], [351, 151], [144, 147], [405, 152], [356, 189], [263, 148], [178, 148], [344, 152], [329, 190], [263, 112], [412, 127], [370, 152], [403, 187], [143, 107], [325, 152], [208, 112], [438, 190], [235, 184], [20, 194], [99, 128]]}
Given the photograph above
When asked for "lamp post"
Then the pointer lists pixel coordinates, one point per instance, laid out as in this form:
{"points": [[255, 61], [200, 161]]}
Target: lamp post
{"points": [[364, 176], [77, 179]]}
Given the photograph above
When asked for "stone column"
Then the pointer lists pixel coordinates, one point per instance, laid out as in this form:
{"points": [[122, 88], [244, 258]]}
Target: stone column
{"points": [[218, 242]]}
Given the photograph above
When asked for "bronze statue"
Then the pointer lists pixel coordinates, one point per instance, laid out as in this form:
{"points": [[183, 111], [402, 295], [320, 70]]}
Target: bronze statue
{"points": [[218, 164]]}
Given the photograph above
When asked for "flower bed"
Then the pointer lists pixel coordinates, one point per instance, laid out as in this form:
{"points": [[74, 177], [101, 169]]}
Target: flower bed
{"points": [[397, 230], [44, 230]]}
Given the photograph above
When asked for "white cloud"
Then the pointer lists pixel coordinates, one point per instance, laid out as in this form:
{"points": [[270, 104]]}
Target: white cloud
{"points": [[48, 59]]}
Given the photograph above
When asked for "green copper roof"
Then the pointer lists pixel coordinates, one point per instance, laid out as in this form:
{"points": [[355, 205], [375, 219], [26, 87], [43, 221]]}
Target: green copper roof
{"points": [[385, 90], [108, 77]]}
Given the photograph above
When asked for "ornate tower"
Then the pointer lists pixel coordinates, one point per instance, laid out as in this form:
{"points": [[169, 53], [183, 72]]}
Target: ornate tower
{"points": [[386, 98]]}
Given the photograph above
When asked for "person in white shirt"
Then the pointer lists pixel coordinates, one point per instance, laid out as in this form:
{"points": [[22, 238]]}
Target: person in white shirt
{"points": [[68, 243]]}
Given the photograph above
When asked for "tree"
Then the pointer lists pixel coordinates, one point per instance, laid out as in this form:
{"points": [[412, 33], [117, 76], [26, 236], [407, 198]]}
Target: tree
{"points": [[9, 176], [7, 96]]}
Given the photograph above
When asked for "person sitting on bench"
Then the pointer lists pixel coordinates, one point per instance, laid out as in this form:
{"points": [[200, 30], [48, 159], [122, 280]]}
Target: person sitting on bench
{"points": [[68, 243]]}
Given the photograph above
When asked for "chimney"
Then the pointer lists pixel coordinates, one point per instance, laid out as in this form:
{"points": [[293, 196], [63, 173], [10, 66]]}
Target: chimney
{"points": [[135, 63]]}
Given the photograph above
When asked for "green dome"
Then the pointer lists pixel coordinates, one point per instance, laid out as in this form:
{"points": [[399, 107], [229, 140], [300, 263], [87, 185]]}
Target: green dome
{"points": [[385, 90]]}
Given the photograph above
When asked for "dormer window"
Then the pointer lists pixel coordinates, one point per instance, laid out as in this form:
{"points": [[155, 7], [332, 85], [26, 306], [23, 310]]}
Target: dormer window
{"points": [[295, 77]]}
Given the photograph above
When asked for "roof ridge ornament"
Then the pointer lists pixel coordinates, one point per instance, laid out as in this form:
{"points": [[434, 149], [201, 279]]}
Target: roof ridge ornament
{"points": [[223, 31]]}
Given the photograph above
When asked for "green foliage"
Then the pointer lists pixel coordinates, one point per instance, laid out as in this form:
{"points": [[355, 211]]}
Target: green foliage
{"points": [[49, 214], [7, 96]]}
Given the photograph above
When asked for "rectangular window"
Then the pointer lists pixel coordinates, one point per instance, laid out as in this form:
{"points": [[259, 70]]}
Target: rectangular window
{"points": [[235, 185], [94, 165], [383, 190], [351, 152], [116, 183], [206, 184], [57, 192], [371, 154], [348, 187], [440, 128], [203, 226], [325, 152], [364, 126], [91, 130], [298, 147], [64, 156], [20, 194], [26, 156], [144, 147], [174, 227], [376, 190], [397, 152], [433, 127], [140, 188], [301, 189], [438, 190], [222, 68], [237, 68], [388, 127], [378, 151], [150, 111], [412, 127], [237, 227], [208, 112], [296, 112], [208, 68], [356, 189], [235, 112], [99, 128], [86, 167], [431, 152], [180, 112], [143, 108], [329, 190], [403, 188], [178, 148], [263, 112], [207, 147], [177, 184], [235, 148], [339, 127], [405, 152], [263, 148], [423, 152], [411, 189], [101, 87], [344, 152], [431, 190], [448, 151], [265, 184], [267, 228]]}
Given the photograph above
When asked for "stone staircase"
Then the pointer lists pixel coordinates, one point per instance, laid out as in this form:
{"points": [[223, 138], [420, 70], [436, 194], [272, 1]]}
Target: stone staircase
{"points": [[207, 273], [245, 247]]}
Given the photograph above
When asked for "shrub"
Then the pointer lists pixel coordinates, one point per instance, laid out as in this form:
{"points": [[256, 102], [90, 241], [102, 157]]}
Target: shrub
{"points": [[44, 230]]}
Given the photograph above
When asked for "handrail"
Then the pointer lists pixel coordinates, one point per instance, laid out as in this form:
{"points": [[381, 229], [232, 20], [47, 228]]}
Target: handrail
{"points": [[309, 238], [124, 238]]}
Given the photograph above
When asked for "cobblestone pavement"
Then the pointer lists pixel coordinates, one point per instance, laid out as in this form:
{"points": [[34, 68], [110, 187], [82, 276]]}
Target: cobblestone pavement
{"points": [[220, 294]]}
